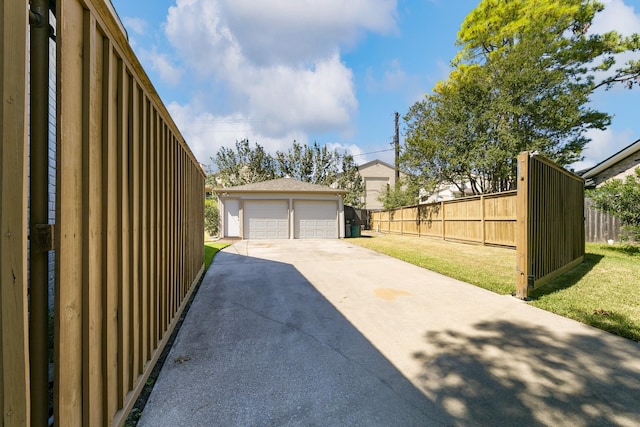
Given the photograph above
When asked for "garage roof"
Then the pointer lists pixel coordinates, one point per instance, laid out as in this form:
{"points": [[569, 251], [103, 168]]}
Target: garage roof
{"points": [[281, 185]]}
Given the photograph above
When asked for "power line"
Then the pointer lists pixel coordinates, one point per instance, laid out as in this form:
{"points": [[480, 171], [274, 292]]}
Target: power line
{"points": [[373, 152]]}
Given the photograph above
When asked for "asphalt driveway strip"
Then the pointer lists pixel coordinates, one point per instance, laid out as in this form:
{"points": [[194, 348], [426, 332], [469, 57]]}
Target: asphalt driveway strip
{"points": [[326, 333]]}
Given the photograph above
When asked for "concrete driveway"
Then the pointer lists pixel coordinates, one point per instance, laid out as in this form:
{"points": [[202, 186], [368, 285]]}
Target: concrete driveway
{"points": [[325, 333]]}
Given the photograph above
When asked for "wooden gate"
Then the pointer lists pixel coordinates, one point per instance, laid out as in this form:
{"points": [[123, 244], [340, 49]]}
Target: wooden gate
{"points": [[550, 225]]}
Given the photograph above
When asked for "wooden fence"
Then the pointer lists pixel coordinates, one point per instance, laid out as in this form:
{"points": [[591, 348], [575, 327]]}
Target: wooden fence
{"points": [[543, 220], [601, 226], [129, 220], [486, 219], [550, 231]]}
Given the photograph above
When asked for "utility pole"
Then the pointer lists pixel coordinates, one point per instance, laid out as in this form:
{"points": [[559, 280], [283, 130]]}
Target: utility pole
{"points": [[396, 142]]}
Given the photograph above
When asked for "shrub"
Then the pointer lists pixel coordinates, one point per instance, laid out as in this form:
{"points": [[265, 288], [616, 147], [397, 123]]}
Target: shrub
{"points": [[211, 217], [621, 198]]}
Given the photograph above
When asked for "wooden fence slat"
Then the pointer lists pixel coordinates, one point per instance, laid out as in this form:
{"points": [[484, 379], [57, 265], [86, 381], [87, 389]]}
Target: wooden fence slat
{"points": [[144, 232], [68, 391], [111, 239], [124, 285], [14, 358], [92, 222], [135, 201], [162, 260]]}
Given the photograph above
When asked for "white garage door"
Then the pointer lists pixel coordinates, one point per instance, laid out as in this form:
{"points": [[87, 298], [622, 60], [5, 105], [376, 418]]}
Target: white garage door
{"points": [[266, 219], [316, 219]]}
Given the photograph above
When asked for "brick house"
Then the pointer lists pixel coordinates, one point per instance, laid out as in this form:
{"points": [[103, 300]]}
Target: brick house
{"points": [[618, 166]]}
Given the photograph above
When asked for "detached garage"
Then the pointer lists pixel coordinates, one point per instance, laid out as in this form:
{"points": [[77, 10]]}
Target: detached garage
{"points": [[281, 209]]}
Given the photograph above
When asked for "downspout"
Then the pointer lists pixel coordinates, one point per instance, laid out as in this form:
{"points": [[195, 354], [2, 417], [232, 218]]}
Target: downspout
{"points": [[40, 236]]}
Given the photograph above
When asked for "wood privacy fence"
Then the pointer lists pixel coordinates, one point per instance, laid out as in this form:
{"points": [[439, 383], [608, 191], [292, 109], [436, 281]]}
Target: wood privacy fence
{"points": [[601, 226], [487, 219], [543, 220], [550, 232], [129, 221]]}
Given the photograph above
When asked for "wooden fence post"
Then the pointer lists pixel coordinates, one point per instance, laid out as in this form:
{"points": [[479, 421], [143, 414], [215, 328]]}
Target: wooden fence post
{"points": [[522, 236], [483, 231], [444, 225]]}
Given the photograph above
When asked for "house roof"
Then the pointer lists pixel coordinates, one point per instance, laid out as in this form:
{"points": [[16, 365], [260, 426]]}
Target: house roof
{"points": [[281, 185], [374, 162], [607, 163]]}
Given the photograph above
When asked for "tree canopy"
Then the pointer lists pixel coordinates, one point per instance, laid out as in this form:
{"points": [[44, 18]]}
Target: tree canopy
{"points": [[244, 165], [522, 81], [404, 193], [308, 163]]}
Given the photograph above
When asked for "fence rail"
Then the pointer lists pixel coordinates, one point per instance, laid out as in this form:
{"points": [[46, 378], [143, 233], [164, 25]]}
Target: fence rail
{"points": [[486, 219], [129, 220]]}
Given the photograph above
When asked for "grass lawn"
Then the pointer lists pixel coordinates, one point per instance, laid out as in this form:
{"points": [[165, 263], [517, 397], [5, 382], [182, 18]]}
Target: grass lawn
{"points": [[602, 292], [491, 268], [210, 250]]}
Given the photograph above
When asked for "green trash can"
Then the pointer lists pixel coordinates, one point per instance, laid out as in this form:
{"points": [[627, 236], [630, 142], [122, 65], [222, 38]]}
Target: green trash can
{"points": [[355, 230]]}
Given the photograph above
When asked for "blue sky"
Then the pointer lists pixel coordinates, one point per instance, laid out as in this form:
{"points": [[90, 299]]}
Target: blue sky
{"points": [[329, 71]]}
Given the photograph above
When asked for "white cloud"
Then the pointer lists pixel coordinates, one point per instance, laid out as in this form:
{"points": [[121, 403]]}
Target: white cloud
{"points": [[279, 61], [285, 31], [161, 63], [602, 146], [136, 25], [352, 149], [616, 16], [291, 98], [206, 133]]}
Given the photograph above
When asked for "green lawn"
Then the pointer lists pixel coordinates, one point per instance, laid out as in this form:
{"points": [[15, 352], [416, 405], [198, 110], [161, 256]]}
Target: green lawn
{"points": [[604, 291], [210, 250], [491, 268]]}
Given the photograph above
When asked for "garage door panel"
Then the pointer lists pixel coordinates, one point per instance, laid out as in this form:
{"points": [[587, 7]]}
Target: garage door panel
{"points": [[316, 219], [266, 219]]}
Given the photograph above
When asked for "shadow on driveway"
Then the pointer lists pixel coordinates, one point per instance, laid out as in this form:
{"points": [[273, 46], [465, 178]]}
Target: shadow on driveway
{"points": [[260, 346], [520, 375], [327, 333]]}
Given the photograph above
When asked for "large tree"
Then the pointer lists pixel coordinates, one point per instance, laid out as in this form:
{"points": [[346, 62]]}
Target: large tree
{"points": [[350, 179], [406, 192], [521, 81], [309, 163], [561, 27], [244, 165]]}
